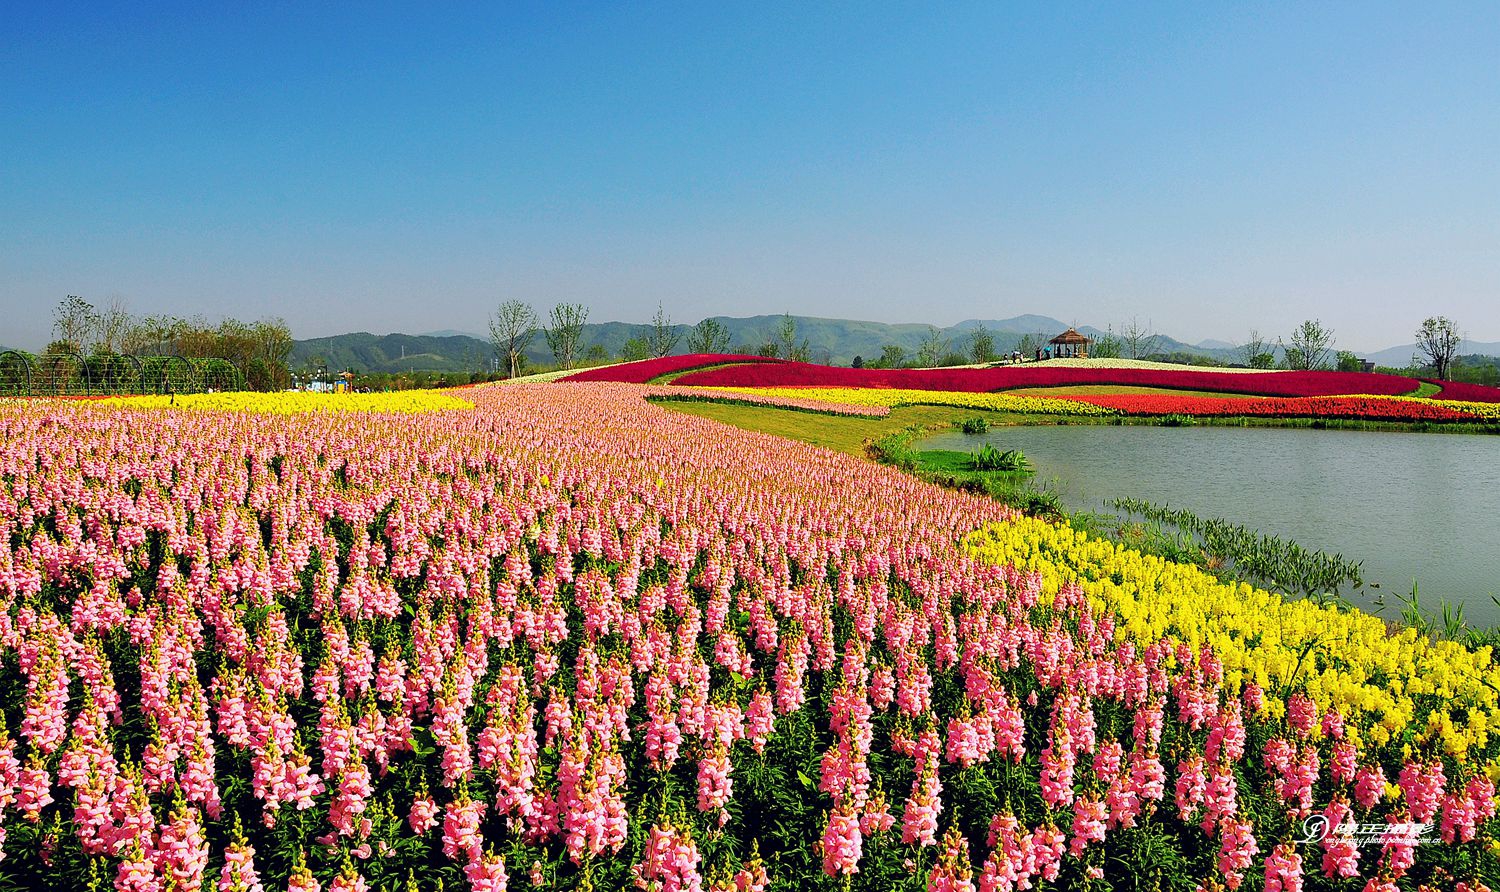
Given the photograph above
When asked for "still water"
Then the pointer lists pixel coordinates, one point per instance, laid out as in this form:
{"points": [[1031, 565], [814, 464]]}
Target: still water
{"points": [[1423, 507]]}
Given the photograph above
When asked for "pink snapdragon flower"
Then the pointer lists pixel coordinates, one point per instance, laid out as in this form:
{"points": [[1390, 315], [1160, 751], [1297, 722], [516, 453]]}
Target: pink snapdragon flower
{"points": [[842, 844]]}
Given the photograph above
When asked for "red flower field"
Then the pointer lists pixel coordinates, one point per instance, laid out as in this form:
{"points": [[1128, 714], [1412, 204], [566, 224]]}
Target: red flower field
{"points": [[795, 374], [647, 369], [1469, 393]]}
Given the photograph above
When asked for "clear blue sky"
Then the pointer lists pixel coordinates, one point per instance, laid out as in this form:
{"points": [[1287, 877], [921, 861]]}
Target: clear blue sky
{"points": [[1208, 167]]}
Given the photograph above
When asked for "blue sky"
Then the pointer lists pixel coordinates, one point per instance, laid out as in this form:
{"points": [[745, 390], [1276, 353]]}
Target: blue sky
{"points": [[1211, 168]]}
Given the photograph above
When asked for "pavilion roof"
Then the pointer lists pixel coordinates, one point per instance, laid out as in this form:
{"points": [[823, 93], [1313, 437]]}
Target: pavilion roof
{"points": [[1071, 336]]}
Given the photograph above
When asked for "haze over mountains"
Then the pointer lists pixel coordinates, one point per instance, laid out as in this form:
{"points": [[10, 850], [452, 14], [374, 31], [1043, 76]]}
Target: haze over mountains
{"points": [[833, 341]]}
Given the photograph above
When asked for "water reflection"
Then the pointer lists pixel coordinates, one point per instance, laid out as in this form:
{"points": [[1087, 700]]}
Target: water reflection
{"points": [[1408, 506]]}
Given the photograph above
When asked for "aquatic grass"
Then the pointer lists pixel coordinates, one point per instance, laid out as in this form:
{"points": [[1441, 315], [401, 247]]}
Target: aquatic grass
{"points": [[1271, 559]]}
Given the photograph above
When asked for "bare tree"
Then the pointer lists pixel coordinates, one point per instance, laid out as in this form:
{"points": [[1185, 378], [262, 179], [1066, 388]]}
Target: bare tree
{"points": [[787, 345], [663, 335], [1309, 346], [565, 330], [110, 326], [511, 330], [73, 323], [272, 339], [1255, 349], [981, 344], [150, 335], [708, 336], [1439, 339], [1137, 339], [932, 349]]}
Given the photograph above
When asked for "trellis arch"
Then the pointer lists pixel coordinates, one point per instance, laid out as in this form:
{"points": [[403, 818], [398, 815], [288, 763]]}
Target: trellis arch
{"points": [[73, 374], [219, 374], [63, 374], [169, 374], [114, 373], [17, 373]]}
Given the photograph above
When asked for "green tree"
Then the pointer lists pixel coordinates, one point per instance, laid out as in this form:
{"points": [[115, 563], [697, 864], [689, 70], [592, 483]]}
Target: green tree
{"points": [[981, 344], [787, 345], [708, 336], [564, 332], [932, 349], [1309, 346], [635, 350], [663, 334], [892, 356], [1107, 346], [1346, 361]]}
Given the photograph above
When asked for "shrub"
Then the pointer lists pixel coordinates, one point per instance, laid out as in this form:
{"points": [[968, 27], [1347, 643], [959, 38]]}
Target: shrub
{"points": [[988, 458]]}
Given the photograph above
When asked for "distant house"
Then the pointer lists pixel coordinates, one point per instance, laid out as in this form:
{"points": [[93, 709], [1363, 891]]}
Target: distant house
{"points": [[1071, 344]]}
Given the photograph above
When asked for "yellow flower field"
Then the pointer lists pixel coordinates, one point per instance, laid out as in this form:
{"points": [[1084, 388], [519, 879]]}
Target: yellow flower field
{"points": [[298, 403], [1487, 411], [892, 397], [1383, 681]]}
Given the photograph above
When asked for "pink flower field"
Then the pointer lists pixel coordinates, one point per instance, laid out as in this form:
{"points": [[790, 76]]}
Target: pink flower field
{"points": [[569, 639]]}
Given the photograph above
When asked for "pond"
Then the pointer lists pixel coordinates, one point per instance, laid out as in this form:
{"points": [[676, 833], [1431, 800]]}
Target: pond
{"points": [[1423, 507]]}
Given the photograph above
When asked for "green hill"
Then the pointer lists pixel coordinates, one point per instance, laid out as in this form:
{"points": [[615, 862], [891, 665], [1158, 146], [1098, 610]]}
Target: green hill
{"points": [[832, 341], [365, 352]]}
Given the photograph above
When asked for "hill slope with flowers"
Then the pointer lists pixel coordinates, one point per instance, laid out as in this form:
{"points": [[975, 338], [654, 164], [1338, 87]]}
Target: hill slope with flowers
{"points": [[568, 639], [977, 380], [1158, 389]]}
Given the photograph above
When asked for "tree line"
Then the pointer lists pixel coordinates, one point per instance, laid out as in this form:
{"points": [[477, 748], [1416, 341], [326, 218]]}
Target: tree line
{"points": [[1310, 346], [515, 325], [260, 349]]}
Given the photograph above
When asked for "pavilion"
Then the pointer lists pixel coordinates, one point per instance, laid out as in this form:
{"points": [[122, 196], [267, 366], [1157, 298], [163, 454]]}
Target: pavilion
{"points": [[1071, 344]]}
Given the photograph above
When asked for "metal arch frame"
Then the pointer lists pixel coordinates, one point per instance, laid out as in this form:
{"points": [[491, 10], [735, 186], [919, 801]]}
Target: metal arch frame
{"points": [[128, 366], [193, 385], [203, 365], [46, 375], [149, 364], [26, 364], [50, 365], [140, 372]]}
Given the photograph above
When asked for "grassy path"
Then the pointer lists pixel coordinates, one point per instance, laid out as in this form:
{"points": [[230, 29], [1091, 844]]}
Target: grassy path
{"points": [[1099, 389], [842, 433]]}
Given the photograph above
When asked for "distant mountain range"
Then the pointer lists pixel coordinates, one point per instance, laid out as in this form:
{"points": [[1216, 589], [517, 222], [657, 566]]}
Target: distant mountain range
{"points": [[832, 341], [1399, 357]]}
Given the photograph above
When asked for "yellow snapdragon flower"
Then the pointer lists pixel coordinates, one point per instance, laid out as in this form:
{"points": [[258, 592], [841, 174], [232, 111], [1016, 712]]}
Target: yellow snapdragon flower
{"points": [[1381, 680], [293, 403]]}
